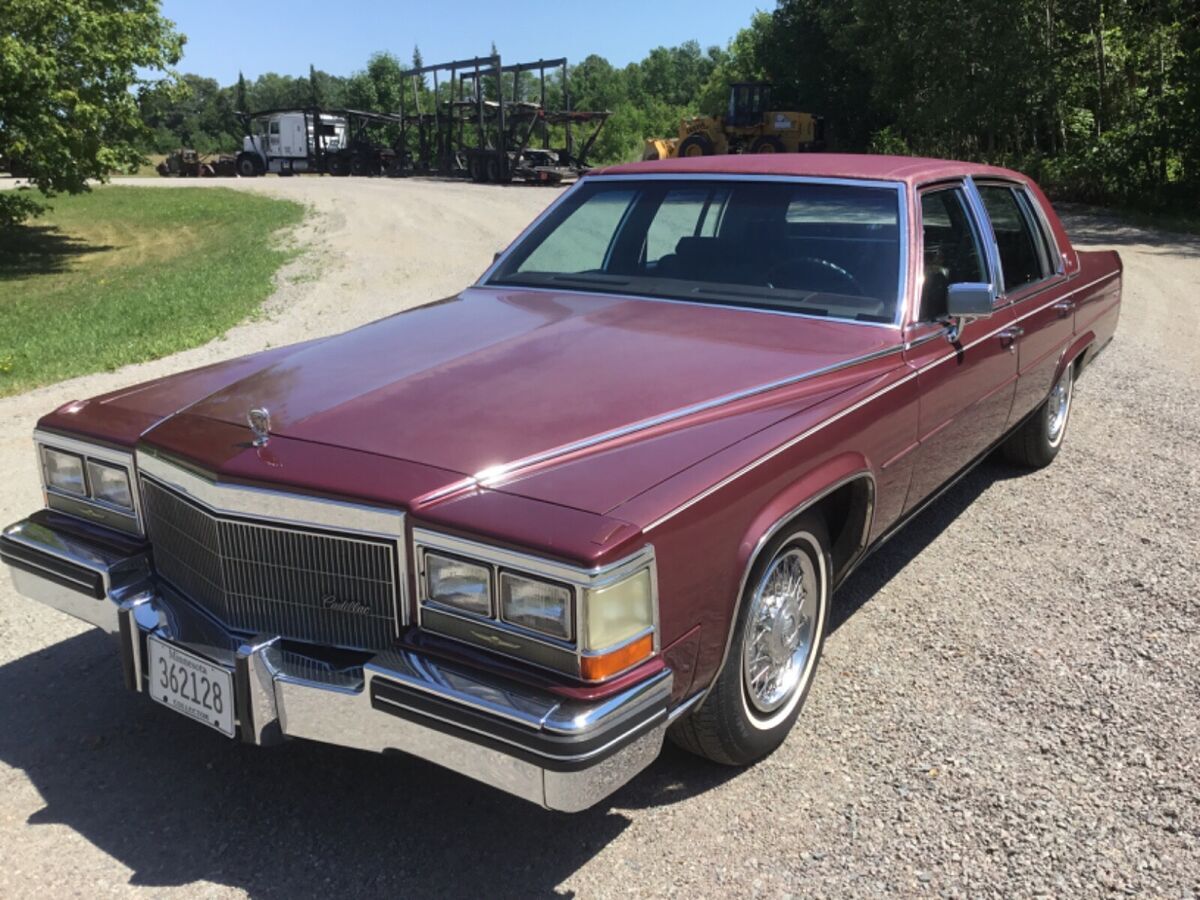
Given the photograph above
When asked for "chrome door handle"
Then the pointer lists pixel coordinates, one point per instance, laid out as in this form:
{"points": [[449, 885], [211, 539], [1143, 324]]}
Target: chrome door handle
{"points": [[1064, 308], [1009, 335]]}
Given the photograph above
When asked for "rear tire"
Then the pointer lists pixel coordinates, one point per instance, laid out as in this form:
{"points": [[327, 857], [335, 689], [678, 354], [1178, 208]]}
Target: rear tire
{"points": [[773, 656], [1036, 443], [495, 171]]}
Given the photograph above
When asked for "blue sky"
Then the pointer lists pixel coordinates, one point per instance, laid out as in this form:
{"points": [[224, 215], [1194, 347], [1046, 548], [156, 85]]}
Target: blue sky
{"points": [[338, 35]]}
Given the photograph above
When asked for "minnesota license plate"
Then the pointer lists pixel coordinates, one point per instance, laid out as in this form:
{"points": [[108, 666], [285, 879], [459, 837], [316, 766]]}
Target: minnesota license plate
{"points": [[191, 685]]}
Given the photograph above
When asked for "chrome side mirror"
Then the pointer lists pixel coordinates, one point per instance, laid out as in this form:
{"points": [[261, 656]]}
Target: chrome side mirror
{"points": [[966, 302]]}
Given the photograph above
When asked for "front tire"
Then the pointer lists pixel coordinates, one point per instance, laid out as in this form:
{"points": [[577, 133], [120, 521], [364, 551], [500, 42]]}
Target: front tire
{"points": [[777, 642], [1036, 443], [248, 166]]}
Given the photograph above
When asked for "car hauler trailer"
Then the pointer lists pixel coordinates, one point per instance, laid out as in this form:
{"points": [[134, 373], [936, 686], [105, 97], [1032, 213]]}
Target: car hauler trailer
{"points": [[334, 141], [477, 123]]}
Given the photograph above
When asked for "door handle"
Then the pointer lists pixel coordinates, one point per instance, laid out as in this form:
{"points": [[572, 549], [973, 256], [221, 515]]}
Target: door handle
{"points": [[1064, 308], [1009, 335]]}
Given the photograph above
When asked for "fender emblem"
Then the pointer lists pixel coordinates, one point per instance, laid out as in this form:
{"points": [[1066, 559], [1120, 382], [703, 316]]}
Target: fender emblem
{"points": [[495, 640]]}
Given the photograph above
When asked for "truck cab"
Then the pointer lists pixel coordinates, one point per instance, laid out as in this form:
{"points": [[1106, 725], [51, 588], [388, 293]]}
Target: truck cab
{"points": [[290, 141]]}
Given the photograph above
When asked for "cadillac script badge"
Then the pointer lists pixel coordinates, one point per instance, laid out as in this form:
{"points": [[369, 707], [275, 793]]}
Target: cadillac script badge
{"points": [[260, 424]]}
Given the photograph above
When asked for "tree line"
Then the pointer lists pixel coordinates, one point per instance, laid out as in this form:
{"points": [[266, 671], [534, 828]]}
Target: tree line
{"points": [[1098, 99]]}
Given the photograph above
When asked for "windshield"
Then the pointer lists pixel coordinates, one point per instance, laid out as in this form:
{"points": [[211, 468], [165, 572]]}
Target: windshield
{"points": [[814, 248]]}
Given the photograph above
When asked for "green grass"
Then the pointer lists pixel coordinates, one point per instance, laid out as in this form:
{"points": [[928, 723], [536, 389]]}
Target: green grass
{"points": [[125, 274]]}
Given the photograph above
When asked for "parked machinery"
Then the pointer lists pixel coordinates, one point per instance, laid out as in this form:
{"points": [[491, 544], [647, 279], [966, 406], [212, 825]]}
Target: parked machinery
{"points": [[187, 163], [750, 126], [338, 142], [478, 123]]}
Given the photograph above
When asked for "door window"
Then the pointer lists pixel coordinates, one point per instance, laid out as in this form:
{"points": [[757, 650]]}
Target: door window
{"points": [[1022, 261], [684, 213], [952, 251]]}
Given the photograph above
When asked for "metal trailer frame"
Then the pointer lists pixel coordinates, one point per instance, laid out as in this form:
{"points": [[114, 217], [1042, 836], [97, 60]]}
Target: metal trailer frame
{"points": [[442, 133]]}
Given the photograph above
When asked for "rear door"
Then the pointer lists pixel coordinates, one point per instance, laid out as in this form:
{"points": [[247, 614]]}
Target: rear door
{"points": [[966, 384], [1033, 284]]}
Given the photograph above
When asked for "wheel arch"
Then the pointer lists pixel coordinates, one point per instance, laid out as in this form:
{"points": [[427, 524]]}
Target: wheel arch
{"points": [[1078, 354], [843, 490]]}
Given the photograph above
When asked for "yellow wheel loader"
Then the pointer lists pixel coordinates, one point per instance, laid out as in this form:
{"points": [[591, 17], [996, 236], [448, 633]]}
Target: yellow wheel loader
{"points": [[750, 126]]}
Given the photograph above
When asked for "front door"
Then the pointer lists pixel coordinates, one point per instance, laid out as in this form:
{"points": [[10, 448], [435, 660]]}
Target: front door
{"points": [[966, 385]]}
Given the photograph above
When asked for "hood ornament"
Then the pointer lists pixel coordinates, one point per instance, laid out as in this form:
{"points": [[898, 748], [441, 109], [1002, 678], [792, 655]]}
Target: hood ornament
{"points": [[259, 419]]}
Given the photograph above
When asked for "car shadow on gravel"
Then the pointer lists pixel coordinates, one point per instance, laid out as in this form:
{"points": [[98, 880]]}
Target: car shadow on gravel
{"points": [[177, 804]]}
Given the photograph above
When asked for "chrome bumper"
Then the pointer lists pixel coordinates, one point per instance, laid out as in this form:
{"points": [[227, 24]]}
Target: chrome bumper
{"points": [[562, 754]]}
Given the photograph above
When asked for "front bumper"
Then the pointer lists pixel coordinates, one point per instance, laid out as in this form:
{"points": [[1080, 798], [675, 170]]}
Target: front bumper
{"points": [[562, 754]]}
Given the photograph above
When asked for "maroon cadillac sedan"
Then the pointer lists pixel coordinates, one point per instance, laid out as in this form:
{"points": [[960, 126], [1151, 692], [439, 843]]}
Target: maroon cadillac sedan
{"points": [[602, 496]]}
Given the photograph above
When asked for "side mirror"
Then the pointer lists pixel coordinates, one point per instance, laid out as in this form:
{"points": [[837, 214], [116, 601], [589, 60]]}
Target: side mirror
{"points": [[966, 302]]}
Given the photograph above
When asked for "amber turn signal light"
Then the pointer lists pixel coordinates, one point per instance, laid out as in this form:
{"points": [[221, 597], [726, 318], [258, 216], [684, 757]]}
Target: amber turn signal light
{"points": [[597, 668]]}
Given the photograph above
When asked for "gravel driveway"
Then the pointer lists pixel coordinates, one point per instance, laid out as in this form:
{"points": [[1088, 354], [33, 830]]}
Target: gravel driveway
{"points": [[1009, 704]]}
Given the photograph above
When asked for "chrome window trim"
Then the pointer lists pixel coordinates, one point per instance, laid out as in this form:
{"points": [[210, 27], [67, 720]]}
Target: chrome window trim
{"points": [[1043, 221], [986, 243], [1029, 288], [122, 459], [892, 184], [578, 579], [984, 223]]}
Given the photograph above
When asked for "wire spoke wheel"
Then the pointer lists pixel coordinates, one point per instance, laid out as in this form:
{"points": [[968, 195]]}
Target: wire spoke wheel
{"points": [[780, 631], [1058, 407]]}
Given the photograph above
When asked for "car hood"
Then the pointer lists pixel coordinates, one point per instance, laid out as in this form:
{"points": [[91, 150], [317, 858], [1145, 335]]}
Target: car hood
{"points": [[489, 377]]}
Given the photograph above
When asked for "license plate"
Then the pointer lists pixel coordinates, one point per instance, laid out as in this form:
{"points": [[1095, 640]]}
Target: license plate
{"points": [[191, 685]]}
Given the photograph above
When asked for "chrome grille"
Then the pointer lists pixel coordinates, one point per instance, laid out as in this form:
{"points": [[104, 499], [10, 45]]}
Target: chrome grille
{"points": [[329, 589]]}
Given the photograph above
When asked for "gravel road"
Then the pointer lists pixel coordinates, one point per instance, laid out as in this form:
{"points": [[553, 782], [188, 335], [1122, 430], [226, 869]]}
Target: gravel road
{"points": [[1009, 704]]}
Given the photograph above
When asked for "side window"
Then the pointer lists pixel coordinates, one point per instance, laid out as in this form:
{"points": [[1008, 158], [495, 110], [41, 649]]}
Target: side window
{"points": [[683, 214], [1045, 243], [952, 251], [1021, 258]]}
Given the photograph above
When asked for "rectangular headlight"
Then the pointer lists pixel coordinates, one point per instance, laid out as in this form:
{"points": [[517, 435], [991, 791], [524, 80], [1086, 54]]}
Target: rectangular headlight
{"points": [[64, 471], [537, 605], [458, 584], [110, 484]]}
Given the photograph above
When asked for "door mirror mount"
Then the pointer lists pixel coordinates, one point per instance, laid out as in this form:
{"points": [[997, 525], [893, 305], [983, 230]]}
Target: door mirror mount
{"points": [[966, 302]]}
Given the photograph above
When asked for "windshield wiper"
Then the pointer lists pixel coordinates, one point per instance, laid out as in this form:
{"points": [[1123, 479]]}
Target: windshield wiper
{"points": [[590, 278]]}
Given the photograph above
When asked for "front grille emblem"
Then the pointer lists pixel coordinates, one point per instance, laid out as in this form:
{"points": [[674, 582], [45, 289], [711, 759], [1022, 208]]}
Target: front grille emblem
{"points": [[260, 424], [358, 608]]}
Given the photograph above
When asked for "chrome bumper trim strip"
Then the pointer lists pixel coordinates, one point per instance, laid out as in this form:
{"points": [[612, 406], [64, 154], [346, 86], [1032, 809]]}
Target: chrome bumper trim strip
{"points": [[559, 753]]}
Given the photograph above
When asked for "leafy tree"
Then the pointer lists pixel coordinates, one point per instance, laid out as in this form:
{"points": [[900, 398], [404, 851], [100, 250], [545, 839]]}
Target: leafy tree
{"points": [[239, 103], [68, 69]]}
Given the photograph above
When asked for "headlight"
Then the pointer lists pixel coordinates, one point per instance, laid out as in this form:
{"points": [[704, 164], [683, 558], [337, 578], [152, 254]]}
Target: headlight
{"points": [[64, 471], [589, 623], [536, 605], [93, 482], [458, 584], [110, 484]]}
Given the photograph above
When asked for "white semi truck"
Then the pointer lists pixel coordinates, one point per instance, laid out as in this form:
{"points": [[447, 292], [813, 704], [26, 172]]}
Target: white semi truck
{"points": [[291, 141]]}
